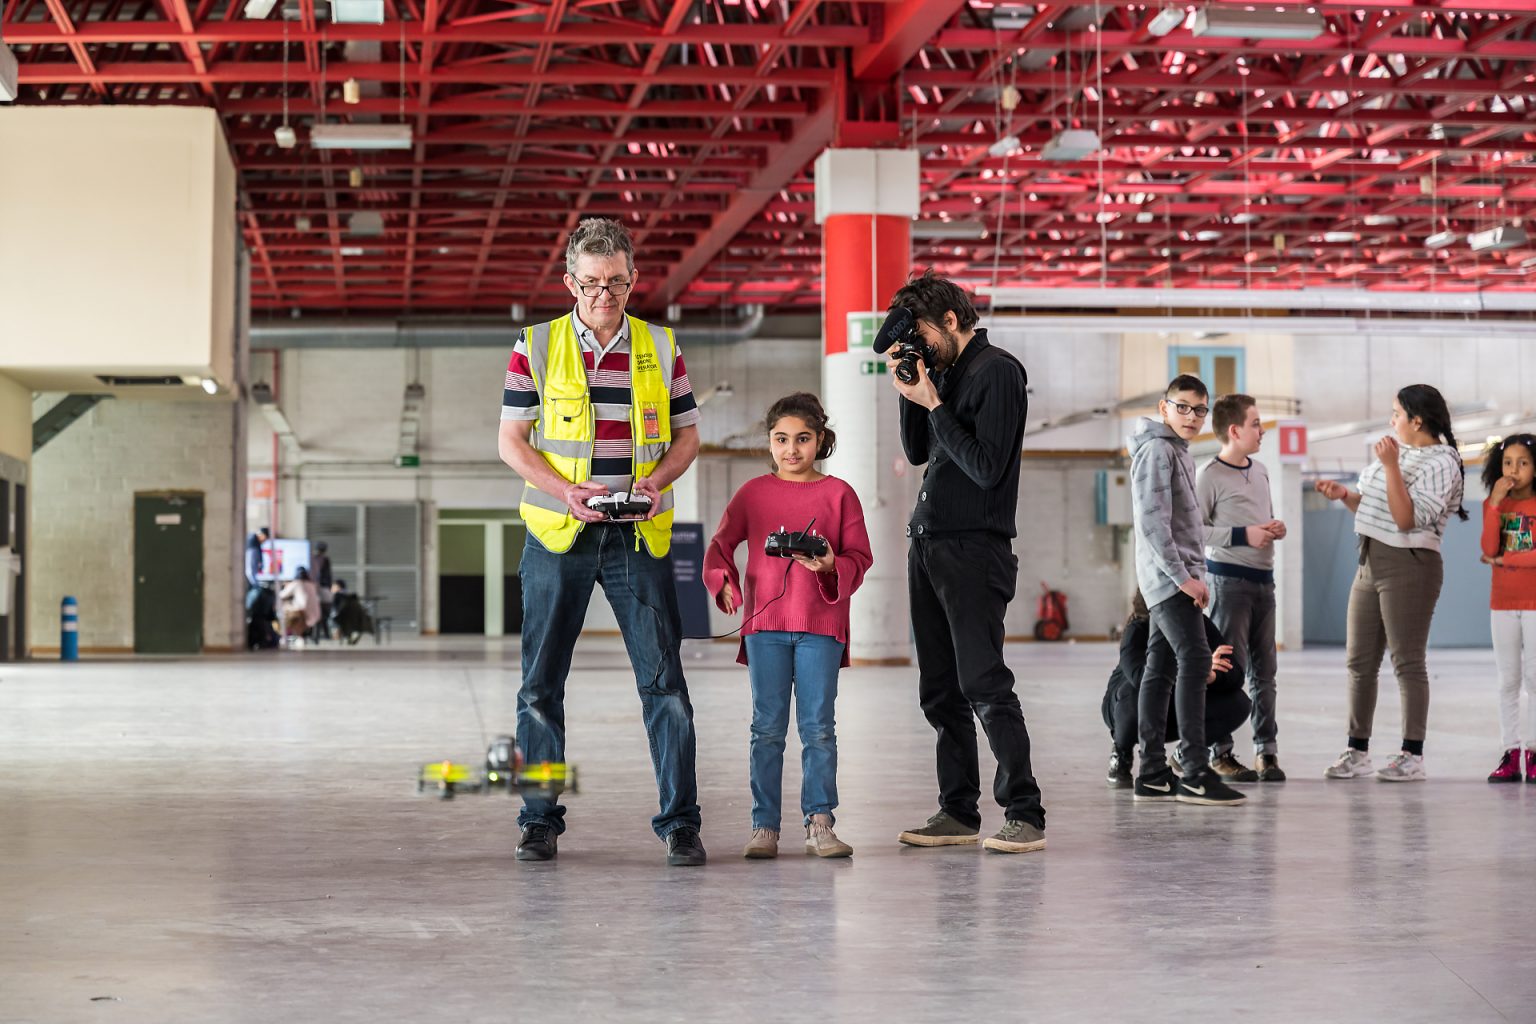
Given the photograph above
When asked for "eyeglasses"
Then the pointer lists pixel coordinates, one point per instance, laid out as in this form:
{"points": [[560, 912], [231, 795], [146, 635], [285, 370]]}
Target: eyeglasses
{"points": [[615, 289], [1185, 410]]}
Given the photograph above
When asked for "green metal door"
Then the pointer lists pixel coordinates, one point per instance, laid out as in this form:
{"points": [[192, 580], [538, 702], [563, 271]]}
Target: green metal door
{"points": [[168, 573]]}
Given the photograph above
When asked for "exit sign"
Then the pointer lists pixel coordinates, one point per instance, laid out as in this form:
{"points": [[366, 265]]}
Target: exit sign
{"points": [[407, 461], [871, 366]]}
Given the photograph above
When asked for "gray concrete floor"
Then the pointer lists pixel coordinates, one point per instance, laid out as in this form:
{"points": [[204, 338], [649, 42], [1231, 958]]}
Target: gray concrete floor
{"points": [[236, 839]]}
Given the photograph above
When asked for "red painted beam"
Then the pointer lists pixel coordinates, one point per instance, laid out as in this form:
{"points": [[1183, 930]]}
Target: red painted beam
{"points": [[905, 29], [811, 137]]}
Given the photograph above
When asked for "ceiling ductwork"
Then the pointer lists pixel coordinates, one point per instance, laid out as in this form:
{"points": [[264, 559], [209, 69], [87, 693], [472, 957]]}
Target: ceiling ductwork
{"points": [[467, 332]]}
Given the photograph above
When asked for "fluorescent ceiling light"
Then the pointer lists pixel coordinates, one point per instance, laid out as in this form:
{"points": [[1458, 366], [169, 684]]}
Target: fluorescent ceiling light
{"points": [[1377, 220], [1338, 236], [8, 75], [1235, 23], [1011, 19], [1072, 144], [952, 229], [1165, 21], [360, 136], [366, 224], [1207, 236], [1441, 240], [1004, 146], [1505, 236], [351, 250], [357, 12], [258, 9]]}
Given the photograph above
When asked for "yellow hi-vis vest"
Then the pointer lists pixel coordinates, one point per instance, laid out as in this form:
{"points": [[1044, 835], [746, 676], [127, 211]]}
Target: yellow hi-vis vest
{"points": [[566, 430]]}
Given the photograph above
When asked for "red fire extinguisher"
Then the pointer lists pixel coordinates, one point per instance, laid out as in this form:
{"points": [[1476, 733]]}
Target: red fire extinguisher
{"points": [[1051, 612]]}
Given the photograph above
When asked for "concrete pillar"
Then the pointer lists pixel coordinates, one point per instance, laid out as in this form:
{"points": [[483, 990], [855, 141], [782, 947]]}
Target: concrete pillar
{"points": [[494, 570], [865, 200]]}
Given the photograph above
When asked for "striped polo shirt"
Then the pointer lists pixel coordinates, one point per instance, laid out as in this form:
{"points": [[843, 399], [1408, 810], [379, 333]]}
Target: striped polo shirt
{"points": [[613, 453], [1434, 478]]}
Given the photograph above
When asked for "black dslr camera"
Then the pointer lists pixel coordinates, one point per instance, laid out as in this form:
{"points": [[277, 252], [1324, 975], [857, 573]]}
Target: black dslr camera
{"points": [[900, 330]]}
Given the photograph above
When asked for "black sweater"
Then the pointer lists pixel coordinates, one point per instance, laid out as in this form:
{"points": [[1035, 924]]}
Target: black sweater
{"points": [[971, 443]]}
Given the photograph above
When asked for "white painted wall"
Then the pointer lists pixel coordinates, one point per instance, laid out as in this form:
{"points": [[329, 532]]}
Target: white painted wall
{"points": [[132, 208]]}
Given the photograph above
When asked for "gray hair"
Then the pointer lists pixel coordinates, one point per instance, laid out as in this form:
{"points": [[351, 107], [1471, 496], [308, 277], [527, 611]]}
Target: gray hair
{"points": [[599, 236]]}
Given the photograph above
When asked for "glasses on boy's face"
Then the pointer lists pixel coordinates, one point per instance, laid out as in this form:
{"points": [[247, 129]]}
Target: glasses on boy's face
{"points": [[1185, 410], [592, 291]]}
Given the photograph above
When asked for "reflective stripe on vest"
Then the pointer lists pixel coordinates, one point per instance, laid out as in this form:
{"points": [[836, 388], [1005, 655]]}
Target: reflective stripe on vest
{"points": [[565, 433]]}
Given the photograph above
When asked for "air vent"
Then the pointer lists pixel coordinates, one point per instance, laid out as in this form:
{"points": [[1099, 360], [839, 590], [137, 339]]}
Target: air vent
{"points": [[140, 382]]}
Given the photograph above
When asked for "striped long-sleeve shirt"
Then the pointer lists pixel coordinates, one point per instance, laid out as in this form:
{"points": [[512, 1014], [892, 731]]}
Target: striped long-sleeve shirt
{"points": [[609, 383], [1434, 478]]}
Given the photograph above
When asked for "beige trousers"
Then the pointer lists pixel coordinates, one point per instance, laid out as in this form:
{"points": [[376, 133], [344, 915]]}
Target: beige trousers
{"points": [[1390, 607]]}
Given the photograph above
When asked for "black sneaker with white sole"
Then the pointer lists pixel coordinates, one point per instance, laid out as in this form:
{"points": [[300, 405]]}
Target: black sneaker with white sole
{"points": [[1206, 787], [1159, 785]]}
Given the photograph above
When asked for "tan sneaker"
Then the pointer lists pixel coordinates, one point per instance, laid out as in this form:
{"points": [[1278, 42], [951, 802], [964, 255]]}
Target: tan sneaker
{"points": [[1232, 770], [764, 845], [1016, 837], [941, 830], [821, 841]]}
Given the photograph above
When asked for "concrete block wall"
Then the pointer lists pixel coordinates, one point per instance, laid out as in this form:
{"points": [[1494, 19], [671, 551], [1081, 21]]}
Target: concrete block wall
{"points": [[84, 483]]}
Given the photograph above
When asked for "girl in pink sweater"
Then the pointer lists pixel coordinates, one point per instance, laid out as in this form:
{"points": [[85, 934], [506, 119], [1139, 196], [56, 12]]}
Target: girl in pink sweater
{"points": [[795, 637]]}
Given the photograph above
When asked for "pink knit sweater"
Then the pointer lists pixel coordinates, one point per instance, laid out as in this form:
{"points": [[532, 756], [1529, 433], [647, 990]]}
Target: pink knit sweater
{"points": [[812, 602]]}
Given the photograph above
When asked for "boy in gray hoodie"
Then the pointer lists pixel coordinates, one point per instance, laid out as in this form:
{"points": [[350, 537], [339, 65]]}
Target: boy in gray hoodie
{"points": [[1170, 568]]}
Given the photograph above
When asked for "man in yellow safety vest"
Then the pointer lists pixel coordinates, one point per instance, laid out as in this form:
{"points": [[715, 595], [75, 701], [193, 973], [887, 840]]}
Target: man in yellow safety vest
{"points": [[598, 403]]}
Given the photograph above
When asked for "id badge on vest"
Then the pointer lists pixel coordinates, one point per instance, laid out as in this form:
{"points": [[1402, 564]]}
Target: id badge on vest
{"points": [[650, 419]]}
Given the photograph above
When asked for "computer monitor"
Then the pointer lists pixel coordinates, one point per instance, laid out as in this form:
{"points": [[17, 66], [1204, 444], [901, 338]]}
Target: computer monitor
{"points": [[281, 559]]}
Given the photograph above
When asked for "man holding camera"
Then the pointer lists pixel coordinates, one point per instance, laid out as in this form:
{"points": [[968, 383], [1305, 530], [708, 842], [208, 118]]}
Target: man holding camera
{"points": [[963, 415], [598, 403]]}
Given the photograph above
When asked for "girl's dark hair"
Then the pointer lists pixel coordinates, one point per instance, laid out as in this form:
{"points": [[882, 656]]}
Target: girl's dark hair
{"points": [[1493, 456], [1425, 403], [806, 407]]}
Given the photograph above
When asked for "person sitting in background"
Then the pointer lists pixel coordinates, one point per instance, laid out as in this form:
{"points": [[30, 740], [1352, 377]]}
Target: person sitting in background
{"points": [[352, 619], [301, 607], [1226, 705]]}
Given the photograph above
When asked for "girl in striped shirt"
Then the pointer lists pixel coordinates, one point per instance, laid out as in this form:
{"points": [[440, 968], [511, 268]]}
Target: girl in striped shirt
{"points": [[1401, 508]]}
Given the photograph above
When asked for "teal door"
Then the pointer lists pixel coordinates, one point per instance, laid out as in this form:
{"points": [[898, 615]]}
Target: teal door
{"points": [[168, 573]]}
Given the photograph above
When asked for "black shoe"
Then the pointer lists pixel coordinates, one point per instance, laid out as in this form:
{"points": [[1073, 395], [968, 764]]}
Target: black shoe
{"points": [[1206, 787], [538, 842], [1269, 768], [1157, 786], [684, 849], [1119, 774]]}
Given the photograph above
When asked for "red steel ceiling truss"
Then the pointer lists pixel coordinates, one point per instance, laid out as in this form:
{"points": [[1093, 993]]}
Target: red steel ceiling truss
{"points": [[1227, 162]]}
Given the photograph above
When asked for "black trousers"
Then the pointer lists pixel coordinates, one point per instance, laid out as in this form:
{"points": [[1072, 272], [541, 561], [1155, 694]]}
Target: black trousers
{"points": [[1179, 665], [960, 587]]}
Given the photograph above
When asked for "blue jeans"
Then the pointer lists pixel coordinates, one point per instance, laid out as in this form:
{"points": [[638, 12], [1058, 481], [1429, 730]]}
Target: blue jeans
{"points": [[639, 588], [807, 664]]}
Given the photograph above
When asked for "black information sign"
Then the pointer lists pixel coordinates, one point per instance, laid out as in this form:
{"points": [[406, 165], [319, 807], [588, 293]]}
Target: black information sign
{"points": [[687, 573]]}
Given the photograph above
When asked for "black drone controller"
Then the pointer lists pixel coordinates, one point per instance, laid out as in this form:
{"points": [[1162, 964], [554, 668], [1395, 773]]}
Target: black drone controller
{"points": [[621, 506], [784, 544]]}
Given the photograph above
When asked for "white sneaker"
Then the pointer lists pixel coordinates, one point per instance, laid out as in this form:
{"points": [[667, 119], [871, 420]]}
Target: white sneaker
{"points": [[1405, 767], [1352, 764]]}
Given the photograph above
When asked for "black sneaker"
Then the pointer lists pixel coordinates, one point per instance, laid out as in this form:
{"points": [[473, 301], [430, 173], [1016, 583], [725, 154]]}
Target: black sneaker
{"points": [[1157, 786], [1206, 787], [538, 842], [684, 848], [1119, 774]]}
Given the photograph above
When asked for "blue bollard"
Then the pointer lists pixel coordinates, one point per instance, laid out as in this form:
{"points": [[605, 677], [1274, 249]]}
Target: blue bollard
{"points": [[69, 630]]}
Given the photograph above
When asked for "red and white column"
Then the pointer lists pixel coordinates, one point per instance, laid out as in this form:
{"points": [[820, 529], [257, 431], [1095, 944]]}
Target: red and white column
{"points": [[865, 202]]}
